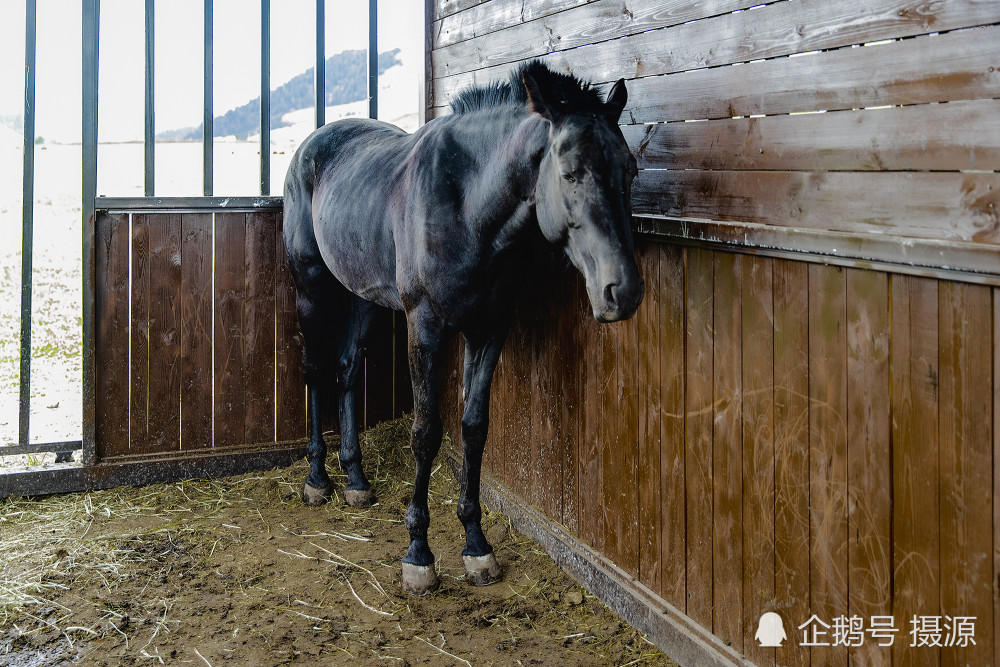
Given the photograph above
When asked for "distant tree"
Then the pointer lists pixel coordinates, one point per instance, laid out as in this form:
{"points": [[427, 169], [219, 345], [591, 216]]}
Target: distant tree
{"points": [[346, 81]]}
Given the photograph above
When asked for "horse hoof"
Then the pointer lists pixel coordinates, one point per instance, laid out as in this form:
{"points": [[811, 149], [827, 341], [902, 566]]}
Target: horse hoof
{"points": [[482, 570], [359, 497], [313, 497], [419, 579]]}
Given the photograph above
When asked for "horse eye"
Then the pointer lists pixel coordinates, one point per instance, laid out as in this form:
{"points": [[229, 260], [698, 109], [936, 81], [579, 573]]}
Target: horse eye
{"points": [[569, 177]]}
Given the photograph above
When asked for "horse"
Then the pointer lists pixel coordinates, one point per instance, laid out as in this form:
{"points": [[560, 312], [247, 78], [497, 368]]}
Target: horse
{"points": [[437, 224]]}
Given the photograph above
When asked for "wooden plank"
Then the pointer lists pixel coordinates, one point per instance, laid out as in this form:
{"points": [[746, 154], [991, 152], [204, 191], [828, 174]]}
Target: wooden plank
{"points": [[947, 206], [673, 535], [613, 494], [996, 474], [111, 296], [196, 331], [443, 8], [546, 470], [139, 337], [377, 387], [698, 399], [940, 137], [869, 461], [966, 408], [915, 507], [778, 29], [624, 419], [954, 66], [511, 34], [496, 15], [590, 476], [727, 450], [651, 504], [521, 456], [164, 331], [230, 302], [791, 454], [828, 579], [758, 452], [571, 284], [258, 328], [290, 421]]}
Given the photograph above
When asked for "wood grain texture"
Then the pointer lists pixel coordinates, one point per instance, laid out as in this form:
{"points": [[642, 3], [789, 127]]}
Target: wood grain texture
{"points": [[869, 459], [571, 415], [111, 297], [196, 331], [727, 449], [590, 476], [290, 420], [545, 398], [698, 406], [792, 520], [828, 416], [757, 358], [230, 303], [965, 348], [164, 331], [996, 474], [952, 137], [673, 531], [947, 206], [651, 504], [915, 469], [258, 326], [139, 337], [625, 418], [492, 16], [953, 66]]}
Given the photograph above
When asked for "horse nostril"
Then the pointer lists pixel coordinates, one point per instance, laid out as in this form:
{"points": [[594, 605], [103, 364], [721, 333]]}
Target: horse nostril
{"points": [[609, 295]]}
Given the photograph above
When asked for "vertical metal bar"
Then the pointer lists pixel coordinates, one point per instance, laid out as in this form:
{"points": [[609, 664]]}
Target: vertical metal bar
{"points": [[265, 97], [373, 58], [150, 121], [319, 74], [27, 221], [208, 122], [91, 35]]}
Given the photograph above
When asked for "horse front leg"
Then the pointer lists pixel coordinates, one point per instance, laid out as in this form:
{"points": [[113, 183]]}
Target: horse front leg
{"points": [[481, 355], [424, 349]]}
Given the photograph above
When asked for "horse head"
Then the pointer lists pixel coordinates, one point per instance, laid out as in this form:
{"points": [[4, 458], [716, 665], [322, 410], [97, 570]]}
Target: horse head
{"points": [[583, 193]]}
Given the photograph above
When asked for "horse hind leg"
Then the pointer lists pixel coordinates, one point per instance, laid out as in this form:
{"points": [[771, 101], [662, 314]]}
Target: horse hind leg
{"points": [[357, 491]]}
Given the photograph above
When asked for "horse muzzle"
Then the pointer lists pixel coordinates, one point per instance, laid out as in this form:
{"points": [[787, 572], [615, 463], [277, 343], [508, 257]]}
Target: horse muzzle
{"points": [[620, 300]]}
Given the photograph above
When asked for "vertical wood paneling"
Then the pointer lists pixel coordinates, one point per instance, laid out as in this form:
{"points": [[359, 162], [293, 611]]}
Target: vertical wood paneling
{"points": [[612, 493], [996, 474], [966, 465], [758, 452], [521, 455], [164, 331], [869, 473], [111, 296], [230, 301], [649, 402], [196, 331], [828, 451], [625, 455], [698, 433], [139, 337], [259, 327], [590, 475], [915, 472], [673, 531], [291, 397], [727, 435], [792, 521], [572, 411]]}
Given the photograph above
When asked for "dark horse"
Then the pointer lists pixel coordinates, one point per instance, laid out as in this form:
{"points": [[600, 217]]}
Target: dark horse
{"points": [[435, 223]]}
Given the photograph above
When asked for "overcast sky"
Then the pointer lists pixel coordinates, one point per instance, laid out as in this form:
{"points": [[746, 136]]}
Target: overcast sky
{"points": [[179, 56]]}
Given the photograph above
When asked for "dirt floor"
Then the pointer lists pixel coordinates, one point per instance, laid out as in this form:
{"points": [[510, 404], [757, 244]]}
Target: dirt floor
{"points": [[238, 572]]}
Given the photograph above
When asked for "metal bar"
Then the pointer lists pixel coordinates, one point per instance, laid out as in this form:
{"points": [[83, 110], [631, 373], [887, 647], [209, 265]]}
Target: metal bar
{"points": [[426, 91], [28, 482], [373, 58], [91, 43], [150, 110], [27, 222], [265, 97], [41, 448], [147, 204], [319, 74], [208, 123]]}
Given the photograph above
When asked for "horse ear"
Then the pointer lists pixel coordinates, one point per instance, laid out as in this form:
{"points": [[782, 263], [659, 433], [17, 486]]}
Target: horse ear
{"points": [[617, 99], [536, 102]]}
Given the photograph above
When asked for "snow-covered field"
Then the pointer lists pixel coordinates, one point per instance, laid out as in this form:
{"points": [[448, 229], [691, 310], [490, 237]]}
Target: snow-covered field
{"points": [[56, 406]]}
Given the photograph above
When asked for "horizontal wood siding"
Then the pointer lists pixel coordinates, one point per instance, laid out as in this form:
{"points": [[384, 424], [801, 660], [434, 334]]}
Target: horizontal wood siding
{"points": [[198, 346], [804, 434]]}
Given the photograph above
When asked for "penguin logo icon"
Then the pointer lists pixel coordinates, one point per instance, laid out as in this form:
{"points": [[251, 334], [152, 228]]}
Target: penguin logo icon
{"points": [[771, 631]]}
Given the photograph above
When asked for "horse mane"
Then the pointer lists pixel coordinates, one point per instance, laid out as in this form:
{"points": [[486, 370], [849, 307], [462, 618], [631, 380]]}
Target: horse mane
{"points": [[565, 90]]}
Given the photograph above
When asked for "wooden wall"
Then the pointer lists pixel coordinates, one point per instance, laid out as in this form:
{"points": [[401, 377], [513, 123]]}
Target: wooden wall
{"points": [[197, 345], [801, 417]]}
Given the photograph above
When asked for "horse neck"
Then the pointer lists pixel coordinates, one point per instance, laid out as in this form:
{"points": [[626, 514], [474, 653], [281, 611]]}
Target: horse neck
{"points": [[501, 198]]}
